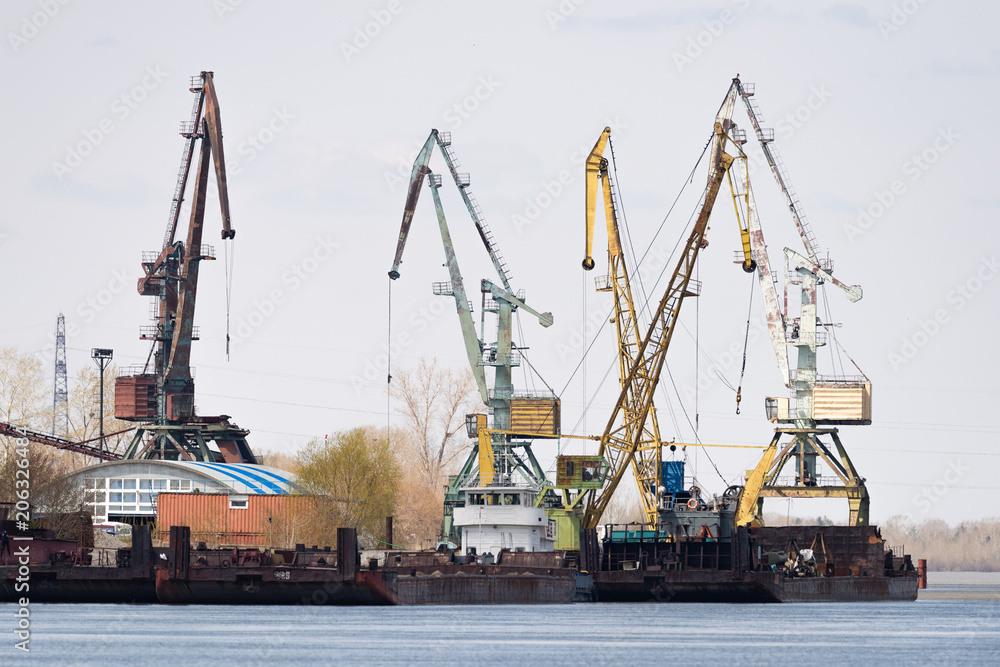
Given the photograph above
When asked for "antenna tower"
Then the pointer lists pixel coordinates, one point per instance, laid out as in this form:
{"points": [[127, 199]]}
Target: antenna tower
{"points": [[60, 393]]}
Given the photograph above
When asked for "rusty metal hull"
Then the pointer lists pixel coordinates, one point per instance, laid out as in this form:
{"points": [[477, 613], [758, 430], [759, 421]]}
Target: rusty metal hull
{"points": [[479, 584], [258, 586], [74, 584], [844, 589], [720, 586]]}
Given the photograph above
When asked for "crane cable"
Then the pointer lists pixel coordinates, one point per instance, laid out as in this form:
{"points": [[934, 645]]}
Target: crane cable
{"points": [[687, 181], [746, 341], [229, 285], [388, 363]]}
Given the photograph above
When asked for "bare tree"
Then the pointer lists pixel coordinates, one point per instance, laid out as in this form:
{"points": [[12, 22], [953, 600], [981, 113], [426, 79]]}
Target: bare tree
{"points": [[84, 409], [22, 390], [434, 402]]}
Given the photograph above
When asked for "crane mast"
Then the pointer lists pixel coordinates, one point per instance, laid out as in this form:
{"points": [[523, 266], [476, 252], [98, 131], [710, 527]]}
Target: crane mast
{"points": [[162, 393], [818, 402], [646, 462], [622, 436], [494, 458]]}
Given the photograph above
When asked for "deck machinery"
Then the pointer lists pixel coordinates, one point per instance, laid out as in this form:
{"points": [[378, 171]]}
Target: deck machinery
{"points": [[160, 394]]}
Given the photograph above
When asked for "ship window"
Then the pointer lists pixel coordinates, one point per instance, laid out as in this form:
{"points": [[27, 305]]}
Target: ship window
{"points": [[493, 498], [476, 499], [512, 499]]}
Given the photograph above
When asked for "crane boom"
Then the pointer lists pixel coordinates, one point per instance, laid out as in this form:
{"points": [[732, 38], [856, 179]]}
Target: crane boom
{"points": [[420, 169], [166, 396], [766, 136], [758, 249], [473, 348], [621, 440], [646, 462]]}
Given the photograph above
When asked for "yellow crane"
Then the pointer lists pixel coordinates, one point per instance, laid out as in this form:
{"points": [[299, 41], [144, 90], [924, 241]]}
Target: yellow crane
{"points": [[626, 427], [646, 461]]}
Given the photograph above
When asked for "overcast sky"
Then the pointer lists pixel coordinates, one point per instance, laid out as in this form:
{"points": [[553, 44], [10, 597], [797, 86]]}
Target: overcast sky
{"points": [[876, 107]]}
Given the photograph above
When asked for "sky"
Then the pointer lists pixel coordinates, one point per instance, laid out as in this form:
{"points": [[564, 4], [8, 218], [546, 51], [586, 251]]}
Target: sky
{"points": [[875, 107]]}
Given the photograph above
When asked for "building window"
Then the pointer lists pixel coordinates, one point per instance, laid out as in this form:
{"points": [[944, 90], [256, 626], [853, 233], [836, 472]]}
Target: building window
{"points": [[160, 484], [238, 502], [129, 484], [145, 484], [116, 483], [185, 485], [116, 497]]}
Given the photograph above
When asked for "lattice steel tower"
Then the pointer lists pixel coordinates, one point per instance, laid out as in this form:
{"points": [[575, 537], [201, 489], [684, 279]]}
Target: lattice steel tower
{"points": [[60, 393]]}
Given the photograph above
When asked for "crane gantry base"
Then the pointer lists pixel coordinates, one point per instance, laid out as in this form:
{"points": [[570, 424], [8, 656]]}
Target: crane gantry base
{"points": [[805, 444], [189, 442]]}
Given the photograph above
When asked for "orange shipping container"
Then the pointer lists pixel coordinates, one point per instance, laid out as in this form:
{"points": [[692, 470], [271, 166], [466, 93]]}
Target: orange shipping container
{"points": [[220, 519]]}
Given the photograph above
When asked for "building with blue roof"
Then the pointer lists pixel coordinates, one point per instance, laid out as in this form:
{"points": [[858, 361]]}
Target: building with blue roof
{"points": [[127, 490]]}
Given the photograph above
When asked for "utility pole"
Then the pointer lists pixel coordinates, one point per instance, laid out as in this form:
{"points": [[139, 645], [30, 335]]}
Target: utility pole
{"points": [[102, 356]]}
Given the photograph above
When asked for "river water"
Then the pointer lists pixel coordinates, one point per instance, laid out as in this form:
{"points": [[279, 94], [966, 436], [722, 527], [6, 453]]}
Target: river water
{"points": [[955, 621]]}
